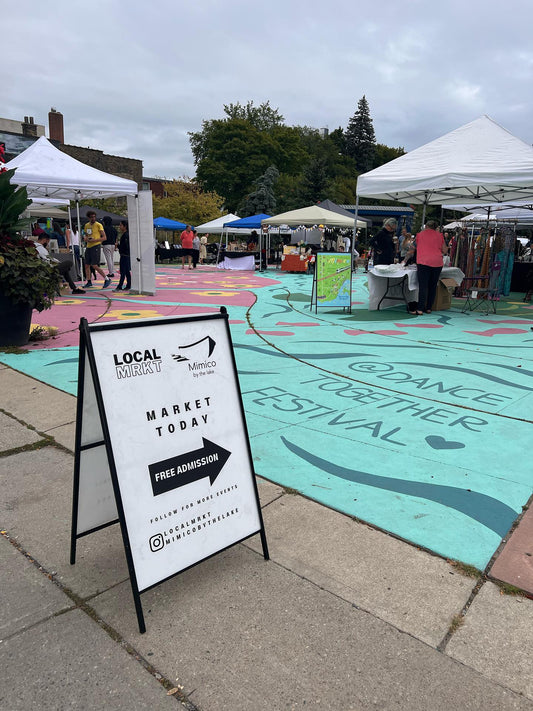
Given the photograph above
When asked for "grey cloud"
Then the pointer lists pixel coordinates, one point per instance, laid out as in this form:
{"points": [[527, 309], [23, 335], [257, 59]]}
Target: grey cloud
{"points": [[133, 78]]}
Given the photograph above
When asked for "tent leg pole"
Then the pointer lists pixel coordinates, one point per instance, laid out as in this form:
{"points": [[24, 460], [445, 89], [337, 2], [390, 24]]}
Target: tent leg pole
{"points": [[139, 244], [355, 228], [79, 235]]}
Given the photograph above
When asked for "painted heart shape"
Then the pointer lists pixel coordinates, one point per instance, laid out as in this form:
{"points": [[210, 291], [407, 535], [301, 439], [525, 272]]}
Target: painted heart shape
{"points": [[438, 442]]}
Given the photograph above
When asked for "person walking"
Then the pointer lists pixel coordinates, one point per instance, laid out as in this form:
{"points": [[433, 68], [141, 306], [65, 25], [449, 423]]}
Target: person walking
{"points": [[123, 247], [94, 236], [186, 238], [108, 245]]}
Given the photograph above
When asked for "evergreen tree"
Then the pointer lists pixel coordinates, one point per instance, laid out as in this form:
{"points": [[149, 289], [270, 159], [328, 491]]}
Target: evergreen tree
{"points": [[313, 187], [360, 140], [262, 199]]}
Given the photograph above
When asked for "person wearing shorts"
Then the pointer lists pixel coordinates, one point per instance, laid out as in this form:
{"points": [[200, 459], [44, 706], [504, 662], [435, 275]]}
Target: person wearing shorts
{"points": [[187, 237], [94, 236]]}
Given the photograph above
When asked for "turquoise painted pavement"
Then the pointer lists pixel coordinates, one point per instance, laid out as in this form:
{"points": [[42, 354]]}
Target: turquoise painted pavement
{"points": [[415, 425]]}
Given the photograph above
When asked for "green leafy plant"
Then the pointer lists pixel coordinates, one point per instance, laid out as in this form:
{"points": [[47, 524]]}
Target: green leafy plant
{"points": [[25, 278]]}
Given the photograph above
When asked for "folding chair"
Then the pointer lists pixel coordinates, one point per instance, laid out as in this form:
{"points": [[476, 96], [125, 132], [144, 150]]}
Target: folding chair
{"points": [[482, 291]]}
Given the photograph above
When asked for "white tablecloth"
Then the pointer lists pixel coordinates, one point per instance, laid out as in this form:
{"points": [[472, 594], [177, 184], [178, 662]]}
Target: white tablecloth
{"points": [[377, 285], [238, 263]]}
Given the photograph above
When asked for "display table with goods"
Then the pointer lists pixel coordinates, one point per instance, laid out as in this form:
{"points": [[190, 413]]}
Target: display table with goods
{"points": [[237, 260], [394, 284], [294, 262]]}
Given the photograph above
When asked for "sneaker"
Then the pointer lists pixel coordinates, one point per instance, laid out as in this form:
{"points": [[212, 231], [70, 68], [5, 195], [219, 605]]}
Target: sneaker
{"points": [[77, 290], [107, 283], [117, 289], [126, 288], [87, 285], [111, 275]]}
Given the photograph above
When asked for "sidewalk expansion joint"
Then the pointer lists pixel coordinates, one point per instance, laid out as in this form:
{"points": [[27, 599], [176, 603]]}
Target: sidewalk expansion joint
{"points": [[81, 604], [458, 620], [47, 439], [27, 447]]}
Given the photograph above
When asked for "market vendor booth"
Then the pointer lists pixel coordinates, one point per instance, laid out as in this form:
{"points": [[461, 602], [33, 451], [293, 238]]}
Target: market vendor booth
{"points": [[478, 163], [392, 284]]}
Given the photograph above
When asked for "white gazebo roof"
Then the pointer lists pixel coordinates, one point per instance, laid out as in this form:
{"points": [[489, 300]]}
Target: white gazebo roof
{"points": [[478, 162], [216, 226], [48, 172]]}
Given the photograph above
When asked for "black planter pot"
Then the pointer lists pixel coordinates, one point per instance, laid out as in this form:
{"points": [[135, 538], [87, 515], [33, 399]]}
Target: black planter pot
{"points": [[15, 322]]}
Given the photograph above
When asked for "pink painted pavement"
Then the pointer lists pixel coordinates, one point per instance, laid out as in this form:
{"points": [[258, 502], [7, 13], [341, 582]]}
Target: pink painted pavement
{"points": [[514, 565], [177, 293]]}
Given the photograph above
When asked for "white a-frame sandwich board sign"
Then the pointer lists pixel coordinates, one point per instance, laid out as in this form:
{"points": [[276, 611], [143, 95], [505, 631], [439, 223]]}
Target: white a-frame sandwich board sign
{"points": [[162, 446]]}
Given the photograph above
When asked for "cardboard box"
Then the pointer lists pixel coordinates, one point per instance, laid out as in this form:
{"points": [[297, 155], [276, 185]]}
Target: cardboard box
{"points": [[443, 297]]}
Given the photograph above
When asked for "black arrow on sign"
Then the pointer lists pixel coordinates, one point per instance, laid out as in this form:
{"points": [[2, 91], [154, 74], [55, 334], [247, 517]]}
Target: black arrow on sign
{"points": [[185, 468]]}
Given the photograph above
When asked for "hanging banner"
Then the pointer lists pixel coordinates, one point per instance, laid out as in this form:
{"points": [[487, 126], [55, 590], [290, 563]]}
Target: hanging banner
{"points": [[162, 444], [332, 285]]}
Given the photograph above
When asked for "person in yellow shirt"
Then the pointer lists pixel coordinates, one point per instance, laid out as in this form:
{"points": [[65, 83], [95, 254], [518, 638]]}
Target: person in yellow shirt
{"points": [[94, 235]]}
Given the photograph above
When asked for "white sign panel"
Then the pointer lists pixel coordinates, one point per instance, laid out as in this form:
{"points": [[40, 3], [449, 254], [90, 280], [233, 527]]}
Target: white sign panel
{"points": [[96, 500], [178, 437]]}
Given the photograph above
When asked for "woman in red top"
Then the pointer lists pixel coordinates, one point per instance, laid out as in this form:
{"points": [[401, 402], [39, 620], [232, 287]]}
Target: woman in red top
{"points": [[430, 246], [187, 237]]}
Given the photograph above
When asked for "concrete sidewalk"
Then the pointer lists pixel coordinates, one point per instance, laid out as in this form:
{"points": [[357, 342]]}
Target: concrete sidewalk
{"points": [[342, 617]]}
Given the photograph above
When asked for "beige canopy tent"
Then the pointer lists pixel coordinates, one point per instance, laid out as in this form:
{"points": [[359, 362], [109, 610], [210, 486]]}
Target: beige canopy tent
{"points": [[313, 215], [36, 210]]}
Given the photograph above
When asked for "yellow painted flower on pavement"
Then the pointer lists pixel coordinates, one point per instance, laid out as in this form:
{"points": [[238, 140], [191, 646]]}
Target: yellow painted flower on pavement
{"points": [[68, 302], [125, 314], [215, 293]]}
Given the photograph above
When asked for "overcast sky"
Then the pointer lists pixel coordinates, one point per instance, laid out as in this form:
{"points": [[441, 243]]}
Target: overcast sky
{"points": [[132, 78]]}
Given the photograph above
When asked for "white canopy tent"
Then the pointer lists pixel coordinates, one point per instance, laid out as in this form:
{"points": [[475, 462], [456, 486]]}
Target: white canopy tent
{"points": [[47, 172], [514, 217], [216, 227], [480, 162], [313, 215]]}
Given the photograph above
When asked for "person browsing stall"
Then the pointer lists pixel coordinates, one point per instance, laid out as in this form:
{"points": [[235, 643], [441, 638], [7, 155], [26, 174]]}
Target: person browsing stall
{"points": [[430, 248], [383, 245]]}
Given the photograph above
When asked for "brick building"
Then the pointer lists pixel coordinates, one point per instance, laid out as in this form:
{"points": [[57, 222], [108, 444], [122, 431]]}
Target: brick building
{"points": [[19, 135]]}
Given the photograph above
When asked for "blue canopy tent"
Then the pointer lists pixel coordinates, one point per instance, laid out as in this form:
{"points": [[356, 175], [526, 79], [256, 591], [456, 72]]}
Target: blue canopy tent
{"points": [[247, 224], [163, 223]]}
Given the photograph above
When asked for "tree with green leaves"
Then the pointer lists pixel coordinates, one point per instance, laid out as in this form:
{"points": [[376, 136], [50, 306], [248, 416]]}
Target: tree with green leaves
{"points": [[230, 153], [263, 117], [262, 199], [384, 154], [185, 201], [360, 139], [314, 184]]}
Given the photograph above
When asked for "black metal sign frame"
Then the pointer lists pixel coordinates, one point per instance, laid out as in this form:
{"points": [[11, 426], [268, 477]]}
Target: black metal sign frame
{"points": [[86, 354]]}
